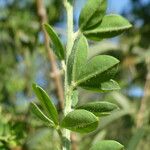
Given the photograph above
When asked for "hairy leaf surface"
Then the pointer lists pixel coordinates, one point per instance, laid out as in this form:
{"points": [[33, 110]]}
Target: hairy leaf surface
{"points": [[78, 57], [106, 86], [74, 98], [35, 109], [102, 82], [111, 26], [99, 108], [81, 121], [110, 85], [46, 103], [96, 67], [92, 13], [57, 45]]}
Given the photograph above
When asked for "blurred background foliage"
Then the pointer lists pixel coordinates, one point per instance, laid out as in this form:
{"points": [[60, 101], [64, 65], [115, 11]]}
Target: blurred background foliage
{"points": [[23, 60]]}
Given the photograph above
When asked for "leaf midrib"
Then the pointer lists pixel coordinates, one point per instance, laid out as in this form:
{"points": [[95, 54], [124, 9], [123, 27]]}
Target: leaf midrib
{"points": [[83, 124], [108, 30], [92, 75]]}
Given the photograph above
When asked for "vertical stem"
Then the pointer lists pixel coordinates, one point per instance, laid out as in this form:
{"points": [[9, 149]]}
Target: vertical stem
{"points": [[70, 32], [68, 91], [66, 133]]}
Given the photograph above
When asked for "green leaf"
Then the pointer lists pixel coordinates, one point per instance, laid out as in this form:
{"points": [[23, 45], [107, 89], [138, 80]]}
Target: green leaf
{"points": [[111, 25], [107, 86], [78, 57], [107, 145], [81, 121], [102, 82], [96, 67], [99, 108], [57, 45], [74, 98], [46, 103], [92, 13], [34, 108], [110, 85]]}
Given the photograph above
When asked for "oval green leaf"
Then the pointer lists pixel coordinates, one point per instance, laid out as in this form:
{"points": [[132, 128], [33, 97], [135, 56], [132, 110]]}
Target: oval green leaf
{"points": [[96, 66], [77, 58], [110, 85], [81, 121], [46, 103], [106, 86], [111, 26], [107, 145], [35, 109], [99, 108], [57, 45], [92, 13], [102, 82]]}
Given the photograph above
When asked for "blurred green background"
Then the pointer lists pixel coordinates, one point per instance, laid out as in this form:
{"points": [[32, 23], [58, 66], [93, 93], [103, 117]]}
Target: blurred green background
{"points": [[23, 60]]}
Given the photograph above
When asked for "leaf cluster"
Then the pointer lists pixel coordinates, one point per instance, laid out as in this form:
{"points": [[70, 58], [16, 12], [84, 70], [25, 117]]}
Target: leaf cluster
{"points": [[95, 74]]}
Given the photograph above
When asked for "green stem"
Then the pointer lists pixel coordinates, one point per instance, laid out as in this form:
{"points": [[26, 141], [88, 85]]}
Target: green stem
{"points": [[60, 135], [70, 33], [68, 91], [67, 109]]}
